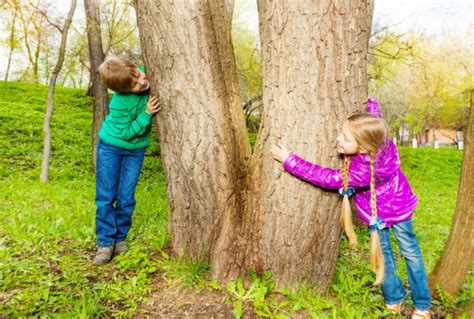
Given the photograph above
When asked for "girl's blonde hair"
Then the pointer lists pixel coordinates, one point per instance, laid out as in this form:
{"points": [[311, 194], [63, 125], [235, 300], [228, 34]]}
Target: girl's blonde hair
{"points": [[370, 132]]}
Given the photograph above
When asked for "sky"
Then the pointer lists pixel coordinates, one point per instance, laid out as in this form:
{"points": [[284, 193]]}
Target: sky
{"points": [[431, 17]]}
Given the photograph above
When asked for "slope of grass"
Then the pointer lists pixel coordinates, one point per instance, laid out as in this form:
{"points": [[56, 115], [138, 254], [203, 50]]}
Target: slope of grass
{"points": [[47, 230]]}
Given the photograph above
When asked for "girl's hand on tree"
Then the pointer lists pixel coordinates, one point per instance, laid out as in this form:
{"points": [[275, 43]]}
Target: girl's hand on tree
{"points": [[153, 105], [279, 153]]}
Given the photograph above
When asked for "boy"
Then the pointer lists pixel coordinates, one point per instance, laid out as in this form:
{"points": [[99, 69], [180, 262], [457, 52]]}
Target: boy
{"points": [[120, 152]]}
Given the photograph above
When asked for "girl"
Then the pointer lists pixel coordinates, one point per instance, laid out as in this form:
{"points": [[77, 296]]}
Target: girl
{"points": [[383, 200]]}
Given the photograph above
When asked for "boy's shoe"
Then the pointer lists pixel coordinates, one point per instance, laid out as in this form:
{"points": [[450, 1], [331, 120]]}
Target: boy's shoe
{"points": [[420, 314], [103, 256], [120, 248], [394, 308]]}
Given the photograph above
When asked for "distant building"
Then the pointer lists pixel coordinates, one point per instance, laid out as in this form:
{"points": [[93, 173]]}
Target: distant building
{"points": [[444, 136], [428, 137]]}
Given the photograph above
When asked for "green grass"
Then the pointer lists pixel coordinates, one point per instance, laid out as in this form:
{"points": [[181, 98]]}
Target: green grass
{"points": [[47, 231], [434, 175]]}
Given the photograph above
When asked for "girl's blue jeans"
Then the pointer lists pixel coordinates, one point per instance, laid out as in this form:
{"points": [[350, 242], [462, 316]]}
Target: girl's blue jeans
{"points": [[392, 285], [117, 173]]}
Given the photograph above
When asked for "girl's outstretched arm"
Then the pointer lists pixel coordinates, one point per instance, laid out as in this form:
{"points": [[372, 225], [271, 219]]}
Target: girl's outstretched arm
{"points": [[325, 177]]}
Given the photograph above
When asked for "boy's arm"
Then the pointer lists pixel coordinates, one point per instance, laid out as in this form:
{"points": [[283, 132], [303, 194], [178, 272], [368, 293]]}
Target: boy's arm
{"points": [[325, 177]]}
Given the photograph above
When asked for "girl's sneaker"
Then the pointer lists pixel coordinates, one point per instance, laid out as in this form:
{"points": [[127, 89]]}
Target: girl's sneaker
{"points": [[397, 307], [420, 314], [394, 308]]}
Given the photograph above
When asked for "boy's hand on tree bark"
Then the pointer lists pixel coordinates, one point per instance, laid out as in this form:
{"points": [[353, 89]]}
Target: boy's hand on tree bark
{"points": [[153, 105], [279, 153]]}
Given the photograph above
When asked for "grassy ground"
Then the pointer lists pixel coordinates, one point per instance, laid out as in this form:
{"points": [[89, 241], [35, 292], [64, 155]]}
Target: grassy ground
{"points": [[47, 233]]}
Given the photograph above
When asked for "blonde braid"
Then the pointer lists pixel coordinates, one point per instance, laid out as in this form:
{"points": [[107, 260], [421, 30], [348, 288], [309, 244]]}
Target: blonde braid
{"points": [[346, 215], [371, 132], [373, 195], [345, 171], [376, 256]]}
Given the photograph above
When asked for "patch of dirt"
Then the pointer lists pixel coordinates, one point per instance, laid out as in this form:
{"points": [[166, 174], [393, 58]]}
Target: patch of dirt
{"points": [[4, 297], [174, 302]]}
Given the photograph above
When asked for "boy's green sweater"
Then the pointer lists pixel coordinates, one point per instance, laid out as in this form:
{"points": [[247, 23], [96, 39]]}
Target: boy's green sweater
{"points": [[127, 125]]}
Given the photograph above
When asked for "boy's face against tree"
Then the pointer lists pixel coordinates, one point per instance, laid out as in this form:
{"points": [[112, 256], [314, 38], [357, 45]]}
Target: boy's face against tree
{"points": [[141, 82]]}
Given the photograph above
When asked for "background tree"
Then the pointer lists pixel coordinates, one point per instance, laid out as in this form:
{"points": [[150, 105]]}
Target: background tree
{"points": [[36, 31], [458, 254], [96, 57], [452, 57], [421, 82], [234, 208], [119, 30], [44, 176], [249, 69], [12, 41], [387, 51], [76, 60]]}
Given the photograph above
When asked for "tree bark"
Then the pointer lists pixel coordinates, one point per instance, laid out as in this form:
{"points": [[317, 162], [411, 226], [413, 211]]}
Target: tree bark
{"points": [[96, 57], [455, 263], [203, 140], [44, 176], [314, 76], [236, 209]]}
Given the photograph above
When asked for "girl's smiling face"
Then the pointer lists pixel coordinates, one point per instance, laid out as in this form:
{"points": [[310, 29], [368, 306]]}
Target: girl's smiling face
{"points": [[346, 143]]}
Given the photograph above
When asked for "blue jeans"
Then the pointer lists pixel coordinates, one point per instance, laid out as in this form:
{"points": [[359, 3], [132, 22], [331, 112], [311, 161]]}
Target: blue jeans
{"points": [[392, 285], [117, 173]]}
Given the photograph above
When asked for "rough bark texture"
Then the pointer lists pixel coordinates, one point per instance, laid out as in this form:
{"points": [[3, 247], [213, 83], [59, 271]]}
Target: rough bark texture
{"points": [[96, 57], [456, 261], [44, 176], [188, 55], [314, 74], [239, 211]]}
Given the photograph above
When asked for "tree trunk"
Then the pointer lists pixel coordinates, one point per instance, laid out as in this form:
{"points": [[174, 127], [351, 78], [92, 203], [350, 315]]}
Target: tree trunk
{"points": [[232, 207], [458, 255], [11, 44], [50, 99], [314, 76], [36, 58], [96, 57], [187, 51]]}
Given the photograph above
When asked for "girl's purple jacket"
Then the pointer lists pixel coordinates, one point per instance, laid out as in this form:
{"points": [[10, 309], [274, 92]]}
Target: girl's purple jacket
{"points": [[394, 197]]}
